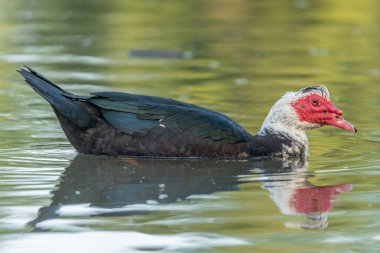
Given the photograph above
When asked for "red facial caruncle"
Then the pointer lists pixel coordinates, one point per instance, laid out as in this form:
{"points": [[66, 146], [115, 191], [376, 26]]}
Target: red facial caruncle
{"points": [[317, 109]]}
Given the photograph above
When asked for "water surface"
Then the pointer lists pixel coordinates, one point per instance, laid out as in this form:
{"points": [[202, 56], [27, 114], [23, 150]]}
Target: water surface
{"points": [[236, 57]]}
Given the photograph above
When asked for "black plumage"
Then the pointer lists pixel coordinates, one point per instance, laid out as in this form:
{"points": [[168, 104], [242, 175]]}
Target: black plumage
{"points": [[116, 123]]}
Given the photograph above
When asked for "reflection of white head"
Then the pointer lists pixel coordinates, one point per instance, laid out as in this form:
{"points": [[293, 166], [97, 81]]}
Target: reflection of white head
{"points": [[282, 186], [293, 196]]}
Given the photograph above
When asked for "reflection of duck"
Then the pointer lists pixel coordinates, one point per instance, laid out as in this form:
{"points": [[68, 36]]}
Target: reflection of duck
{"points": [[293, 194], [113, 184]]}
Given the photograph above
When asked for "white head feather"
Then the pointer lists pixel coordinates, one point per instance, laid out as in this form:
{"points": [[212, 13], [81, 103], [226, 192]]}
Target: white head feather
{"points": [[283, 118]]}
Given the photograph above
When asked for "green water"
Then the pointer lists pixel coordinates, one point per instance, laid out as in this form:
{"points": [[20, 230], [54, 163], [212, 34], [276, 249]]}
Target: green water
{"points": [[237, 57]]}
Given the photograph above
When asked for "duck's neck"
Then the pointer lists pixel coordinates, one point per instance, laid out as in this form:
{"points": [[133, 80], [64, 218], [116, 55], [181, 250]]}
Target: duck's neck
{"points": [[277, 140]]}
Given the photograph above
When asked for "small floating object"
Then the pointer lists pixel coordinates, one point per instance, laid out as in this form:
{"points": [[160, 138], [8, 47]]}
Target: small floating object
{"points": [[160, 54]]}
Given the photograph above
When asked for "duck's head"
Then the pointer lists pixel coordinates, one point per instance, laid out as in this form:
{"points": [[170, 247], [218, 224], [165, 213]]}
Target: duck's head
{"points": [[306, 109]]}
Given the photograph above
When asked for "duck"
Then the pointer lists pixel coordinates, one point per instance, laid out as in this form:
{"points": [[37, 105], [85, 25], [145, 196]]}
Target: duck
{"points": [[117, 123]]}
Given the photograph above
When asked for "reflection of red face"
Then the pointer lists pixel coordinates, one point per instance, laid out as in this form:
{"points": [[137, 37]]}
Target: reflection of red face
{"points": [[317, 109], [316, 200]]}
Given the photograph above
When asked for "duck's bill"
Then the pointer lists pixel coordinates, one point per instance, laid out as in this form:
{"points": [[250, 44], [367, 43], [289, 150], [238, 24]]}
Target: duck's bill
{"points": [[342, 123]]}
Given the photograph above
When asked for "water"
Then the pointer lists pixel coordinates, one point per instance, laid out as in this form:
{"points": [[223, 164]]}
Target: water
{"points": [[236, 57]]}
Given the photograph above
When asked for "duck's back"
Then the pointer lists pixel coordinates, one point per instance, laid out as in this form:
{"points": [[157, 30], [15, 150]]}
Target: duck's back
{"points": [[116, 123], [154, 126]]}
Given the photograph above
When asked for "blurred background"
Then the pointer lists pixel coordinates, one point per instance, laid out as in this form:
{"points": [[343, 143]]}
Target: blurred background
{"points": [[237, 57]]}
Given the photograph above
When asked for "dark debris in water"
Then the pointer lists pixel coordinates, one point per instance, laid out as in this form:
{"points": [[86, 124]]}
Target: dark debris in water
{"points": [[159, 54]]}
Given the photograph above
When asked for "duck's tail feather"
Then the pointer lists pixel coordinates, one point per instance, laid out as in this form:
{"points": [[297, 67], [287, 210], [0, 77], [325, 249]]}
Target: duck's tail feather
{"points": [[63, 102]]}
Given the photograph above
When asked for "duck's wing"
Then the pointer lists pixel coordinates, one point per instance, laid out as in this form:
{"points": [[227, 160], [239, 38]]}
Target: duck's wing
{"points": [[137, 114]]}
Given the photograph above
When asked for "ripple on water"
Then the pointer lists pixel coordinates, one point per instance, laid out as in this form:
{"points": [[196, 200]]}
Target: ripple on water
{"points": [[103, 77], [87, 209], [111, 241], [341, 239], [373, 136], [48, 58]]}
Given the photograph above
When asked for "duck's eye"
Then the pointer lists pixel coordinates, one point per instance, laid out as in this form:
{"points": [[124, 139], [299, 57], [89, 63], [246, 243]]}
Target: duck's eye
{"points": [[315, 102]]}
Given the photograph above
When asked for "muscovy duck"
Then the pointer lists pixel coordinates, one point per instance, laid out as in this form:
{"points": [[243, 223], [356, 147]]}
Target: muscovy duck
{"points": [[116, 123]]}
